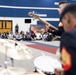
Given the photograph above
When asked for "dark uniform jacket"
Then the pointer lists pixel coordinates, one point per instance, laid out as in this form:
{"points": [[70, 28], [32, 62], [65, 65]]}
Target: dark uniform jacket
{"points": [[59, 31], [68, 52]]}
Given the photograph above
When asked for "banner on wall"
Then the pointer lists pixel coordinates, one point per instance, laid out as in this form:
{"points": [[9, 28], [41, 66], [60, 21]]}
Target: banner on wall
{"points": [[40, 28]]}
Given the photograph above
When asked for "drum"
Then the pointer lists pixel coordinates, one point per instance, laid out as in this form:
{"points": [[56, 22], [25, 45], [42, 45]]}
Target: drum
{"points": [[46, 64]]}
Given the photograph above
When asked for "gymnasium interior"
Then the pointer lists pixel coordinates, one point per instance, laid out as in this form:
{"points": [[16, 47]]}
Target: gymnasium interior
{"points": [[21, 54]]}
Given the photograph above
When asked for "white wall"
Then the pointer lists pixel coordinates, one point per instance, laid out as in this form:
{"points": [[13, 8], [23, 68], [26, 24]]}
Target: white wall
{"points": [[21, 22]]}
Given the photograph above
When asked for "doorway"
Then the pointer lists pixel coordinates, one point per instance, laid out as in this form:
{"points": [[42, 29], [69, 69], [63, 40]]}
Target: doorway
{"points": [[5, 26]]}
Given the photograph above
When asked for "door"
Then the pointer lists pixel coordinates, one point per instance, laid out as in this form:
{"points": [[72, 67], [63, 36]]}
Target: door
{"points": [[5, 26]]}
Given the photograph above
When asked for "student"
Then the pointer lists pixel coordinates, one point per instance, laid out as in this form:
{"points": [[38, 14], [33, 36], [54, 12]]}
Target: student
{"points": [[16, 28], [68, 41], [62, 5]]}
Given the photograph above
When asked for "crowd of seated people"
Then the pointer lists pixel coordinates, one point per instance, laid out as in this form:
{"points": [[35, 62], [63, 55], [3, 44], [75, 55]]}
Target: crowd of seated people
{"points": [[28, 36]]}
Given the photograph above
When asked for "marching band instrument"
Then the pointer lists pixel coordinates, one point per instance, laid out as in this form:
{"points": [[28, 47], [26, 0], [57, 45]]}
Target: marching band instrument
{"points": [[18, 52], [38, 17], [47, 64]]}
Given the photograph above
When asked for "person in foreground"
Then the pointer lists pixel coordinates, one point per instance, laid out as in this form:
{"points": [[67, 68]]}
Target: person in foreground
{"points": [[68, 42]]}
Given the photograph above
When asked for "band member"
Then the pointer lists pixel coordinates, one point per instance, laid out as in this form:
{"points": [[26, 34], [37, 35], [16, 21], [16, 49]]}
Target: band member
{"points": [[62, 5], [56, 31], [68, 41]]}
